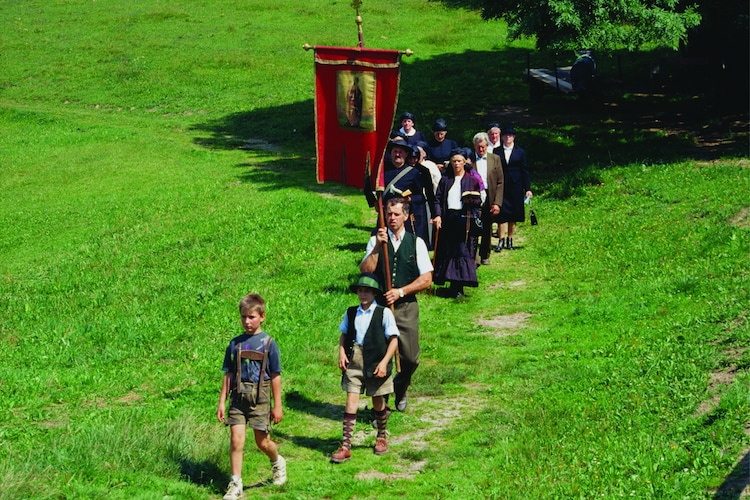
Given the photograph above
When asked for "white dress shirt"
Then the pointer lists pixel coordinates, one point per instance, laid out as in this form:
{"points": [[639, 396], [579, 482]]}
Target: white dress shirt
{"points": [[424, 264], [481, 166]]}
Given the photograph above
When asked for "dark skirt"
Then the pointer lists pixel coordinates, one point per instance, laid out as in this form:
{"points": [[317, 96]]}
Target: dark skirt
{"points": [[455, 253], [513, 208]]}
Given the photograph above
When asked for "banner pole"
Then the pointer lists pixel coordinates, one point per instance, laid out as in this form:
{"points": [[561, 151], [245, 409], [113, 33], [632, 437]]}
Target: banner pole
{"points": [[358, 19]]}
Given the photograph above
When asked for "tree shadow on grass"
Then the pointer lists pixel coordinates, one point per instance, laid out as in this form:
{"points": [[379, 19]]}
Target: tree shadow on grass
{"points": [[736, 482], [299, 402], [203, 473], [567, 140], [324, 446]]}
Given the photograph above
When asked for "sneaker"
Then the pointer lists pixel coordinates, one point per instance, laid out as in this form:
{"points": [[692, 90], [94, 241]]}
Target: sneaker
{"points": [[234, 491], [279, 471], [341, 455], [485, 262], [381, 446]]}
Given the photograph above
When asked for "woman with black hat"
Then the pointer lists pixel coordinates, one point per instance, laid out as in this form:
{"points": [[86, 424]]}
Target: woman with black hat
{"points": [[439, 148], [407, 130], [458, 193], [517, 187]]}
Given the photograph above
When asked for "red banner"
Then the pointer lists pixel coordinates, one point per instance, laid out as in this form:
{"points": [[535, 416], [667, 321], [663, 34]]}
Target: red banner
{"points": [[356, 92]]}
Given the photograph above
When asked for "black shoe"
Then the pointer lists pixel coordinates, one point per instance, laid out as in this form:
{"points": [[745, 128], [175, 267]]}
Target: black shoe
{"points": [[509, 244], [402, 404], [500, 245]]}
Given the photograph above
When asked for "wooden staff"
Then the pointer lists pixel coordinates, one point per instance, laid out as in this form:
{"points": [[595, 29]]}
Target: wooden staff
{"points": [[434, 254], [386, 265], [468, 223], [435, 246]]}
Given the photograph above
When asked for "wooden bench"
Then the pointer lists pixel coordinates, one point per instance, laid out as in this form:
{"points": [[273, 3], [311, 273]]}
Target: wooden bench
{"points": [[558, 79]]}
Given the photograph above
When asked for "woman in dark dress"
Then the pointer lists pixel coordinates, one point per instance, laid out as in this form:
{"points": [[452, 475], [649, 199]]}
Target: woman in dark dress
{"points": [[439, 148], [517, 186], [457, 193]]}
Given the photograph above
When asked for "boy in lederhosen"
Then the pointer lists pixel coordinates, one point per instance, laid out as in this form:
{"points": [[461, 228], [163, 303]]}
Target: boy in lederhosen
{"points": [[368, 341], [252, 374]]}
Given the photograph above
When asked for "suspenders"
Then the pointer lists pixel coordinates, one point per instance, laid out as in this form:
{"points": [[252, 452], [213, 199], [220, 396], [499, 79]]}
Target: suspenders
{"points": [[253, 355]]}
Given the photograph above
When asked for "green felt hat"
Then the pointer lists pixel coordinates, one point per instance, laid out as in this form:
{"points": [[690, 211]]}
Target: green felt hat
{"points": [[369, 280]]}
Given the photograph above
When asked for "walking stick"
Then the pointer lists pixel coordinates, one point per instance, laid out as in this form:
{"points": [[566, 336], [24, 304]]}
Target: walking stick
{"points": [[387, 266], [468, 224], [434, 254]]}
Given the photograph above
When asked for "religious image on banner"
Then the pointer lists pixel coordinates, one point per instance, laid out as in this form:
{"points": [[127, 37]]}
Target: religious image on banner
{"points": [[355, 99]]}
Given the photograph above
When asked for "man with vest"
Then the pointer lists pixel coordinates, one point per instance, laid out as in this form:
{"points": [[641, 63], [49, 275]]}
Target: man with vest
{"points": [[407, 270]]}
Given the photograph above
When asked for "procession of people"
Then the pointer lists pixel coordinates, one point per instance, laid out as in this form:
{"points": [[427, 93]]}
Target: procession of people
{"points": [[437, 196], [494, 160]]}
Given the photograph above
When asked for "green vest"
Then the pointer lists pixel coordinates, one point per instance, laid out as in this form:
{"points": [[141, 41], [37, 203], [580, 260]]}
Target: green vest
{"points": [[403, 264], [374, 344]]}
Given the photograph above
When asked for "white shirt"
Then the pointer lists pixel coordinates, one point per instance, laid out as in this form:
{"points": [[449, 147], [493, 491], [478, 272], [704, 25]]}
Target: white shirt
{"points": [[362, 321], [481, 166], [507, 152], [424, 264], [454, 195]]}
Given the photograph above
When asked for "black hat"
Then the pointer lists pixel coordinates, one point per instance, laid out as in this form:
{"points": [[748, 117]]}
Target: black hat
{"points": [[439, 125], [366, 279], [407, 116], [508, 130], [400, 143], [415, 151], [492, 125], [458, 151]]}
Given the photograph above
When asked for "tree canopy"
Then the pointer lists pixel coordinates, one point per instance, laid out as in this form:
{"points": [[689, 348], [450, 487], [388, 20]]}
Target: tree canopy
{"points": [[599, 24]]}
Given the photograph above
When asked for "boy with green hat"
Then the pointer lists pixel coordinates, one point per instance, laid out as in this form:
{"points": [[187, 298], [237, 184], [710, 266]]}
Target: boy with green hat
{"points": [[368, 341]]}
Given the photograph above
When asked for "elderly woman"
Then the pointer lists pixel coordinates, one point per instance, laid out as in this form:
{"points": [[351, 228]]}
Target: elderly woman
{"points": [[493, 138], [457, 194], [439, 147]]}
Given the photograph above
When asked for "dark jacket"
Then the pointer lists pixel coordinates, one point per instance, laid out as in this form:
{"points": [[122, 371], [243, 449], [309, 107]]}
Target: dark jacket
{"points": [[517, 182], [468, 184]]}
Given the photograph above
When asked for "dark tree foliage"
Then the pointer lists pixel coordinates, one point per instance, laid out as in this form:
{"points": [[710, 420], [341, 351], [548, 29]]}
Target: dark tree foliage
{"points": [[599, 24]]}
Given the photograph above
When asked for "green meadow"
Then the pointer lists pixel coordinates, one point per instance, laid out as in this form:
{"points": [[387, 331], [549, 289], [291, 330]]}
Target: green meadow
{"points": [[157, 163]]}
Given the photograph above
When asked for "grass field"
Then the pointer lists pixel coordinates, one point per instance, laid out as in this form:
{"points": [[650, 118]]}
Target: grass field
{"points": [[158, 163]]}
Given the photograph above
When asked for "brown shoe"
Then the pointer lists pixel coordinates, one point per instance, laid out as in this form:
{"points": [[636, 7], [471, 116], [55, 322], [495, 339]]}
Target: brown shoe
{"points": [[381, 446], [341, 455]]}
